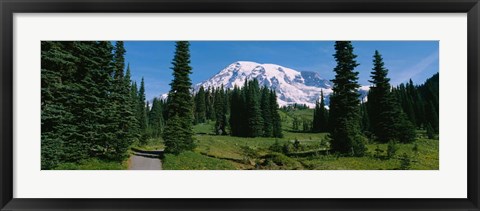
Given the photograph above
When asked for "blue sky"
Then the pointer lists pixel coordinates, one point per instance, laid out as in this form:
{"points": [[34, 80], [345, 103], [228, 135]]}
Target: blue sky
{"points": [[417, 60]]}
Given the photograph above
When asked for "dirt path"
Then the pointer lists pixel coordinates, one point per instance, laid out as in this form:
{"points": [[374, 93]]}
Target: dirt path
{"points": [[145, 160]]}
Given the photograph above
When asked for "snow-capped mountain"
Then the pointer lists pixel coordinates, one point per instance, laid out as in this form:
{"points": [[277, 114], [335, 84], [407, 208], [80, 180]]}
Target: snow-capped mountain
{"points": [[291, 85]]}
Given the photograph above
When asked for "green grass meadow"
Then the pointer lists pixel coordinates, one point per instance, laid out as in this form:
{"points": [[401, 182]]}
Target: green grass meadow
{"points": [[217, 152]]}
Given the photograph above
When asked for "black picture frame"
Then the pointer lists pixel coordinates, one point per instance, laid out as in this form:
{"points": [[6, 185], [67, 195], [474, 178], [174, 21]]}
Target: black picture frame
{"points": [[9, 7]]}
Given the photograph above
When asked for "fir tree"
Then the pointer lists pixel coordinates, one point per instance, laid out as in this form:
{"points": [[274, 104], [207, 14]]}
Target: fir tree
{"points": [[178, 133], [320, 116], [255, 121], [142, 113], [254, 111], [430, 131], [296, 124], [307, 126], [236, 113], [155, 119], [123, 120], [86, 107], [209, 104], [58, 65], [344, 103], [365, 124], [200, 106], [267, 111], [119, 59], [316, 118], [220, 111], [131, 103], [387, 120]]}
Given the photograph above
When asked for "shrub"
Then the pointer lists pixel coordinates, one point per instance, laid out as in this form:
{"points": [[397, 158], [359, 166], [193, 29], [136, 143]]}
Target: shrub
{"points": [[287, 148], [249, 154], [391, 149], [379, 152], [359, 147], [276, 147], [280, 161], [404, 162], [296, 144]]}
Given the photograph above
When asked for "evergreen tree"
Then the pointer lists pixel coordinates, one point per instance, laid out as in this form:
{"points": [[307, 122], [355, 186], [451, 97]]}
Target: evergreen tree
{"points": [[344, 117], [220, 111], [320, 116], [430, 131], [307, 126], [122, 118], [365, 124], [254, 111], [236, 113], [178, 133], [408, 102], [86, 107], [119, 59], [131, 103], [97, 131], [267, 111], [58, 66], [420, 103], [387, 120], [142, 113], [155, 119], [200, 107], [296, 124], [255, 121], [209, 104], [316, 118]]}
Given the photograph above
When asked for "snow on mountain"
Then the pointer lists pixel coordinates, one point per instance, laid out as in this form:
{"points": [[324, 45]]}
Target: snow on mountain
{"points": [[164, 96], [291, 85]]}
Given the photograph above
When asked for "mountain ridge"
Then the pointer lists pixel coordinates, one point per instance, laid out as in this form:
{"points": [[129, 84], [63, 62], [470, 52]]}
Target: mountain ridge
{"points": [[291, 86]]}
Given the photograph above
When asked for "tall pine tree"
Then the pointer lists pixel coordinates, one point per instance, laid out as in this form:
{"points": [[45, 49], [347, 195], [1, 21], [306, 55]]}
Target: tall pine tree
{"points": [[155, 119], [254, 115], [123, 120], [142, 113], [236, 112], [344, 117], [276, 120], [200, 106], [220, 112], [320, 116], [178, 133], [387, 120], [267, 112]]}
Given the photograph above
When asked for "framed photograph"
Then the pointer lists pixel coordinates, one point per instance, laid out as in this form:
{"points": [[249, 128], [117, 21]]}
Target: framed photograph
{"points": [[260, 105]]}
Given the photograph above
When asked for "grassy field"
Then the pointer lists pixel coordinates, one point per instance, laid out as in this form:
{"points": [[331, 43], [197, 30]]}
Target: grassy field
{"points": [[309, 153], [195, 161], [296, 150], [93, 164]]}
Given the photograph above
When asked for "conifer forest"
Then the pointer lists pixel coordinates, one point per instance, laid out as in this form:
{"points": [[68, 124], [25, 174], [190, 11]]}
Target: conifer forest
{"points": [[96, 116]]}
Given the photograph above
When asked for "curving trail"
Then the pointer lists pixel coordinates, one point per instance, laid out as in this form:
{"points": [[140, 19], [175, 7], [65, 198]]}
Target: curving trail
{"points": [[145, 160]]}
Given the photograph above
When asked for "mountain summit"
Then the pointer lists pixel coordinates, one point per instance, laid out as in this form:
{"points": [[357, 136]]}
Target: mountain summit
{"points": [[292, 86]]}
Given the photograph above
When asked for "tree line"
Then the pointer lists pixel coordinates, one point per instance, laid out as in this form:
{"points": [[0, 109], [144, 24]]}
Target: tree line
{"points": [[249, 111], [254, 111], [389, 115], [89, 107]]}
